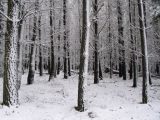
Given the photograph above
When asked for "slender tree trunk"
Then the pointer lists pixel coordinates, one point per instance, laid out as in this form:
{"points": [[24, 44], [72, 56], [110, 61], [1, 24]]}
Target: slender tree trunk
{"points": [[1, 39], [49, 61], [122, 62], [52, 20], [10, 90], [40, 48], [135, 66], [20, 46], [20, 52], [96, 53], [144, 53], [32, 65], [110, 40], [84, 55], [69, 65], [100, 71], [65, 41], [132, 40], [120, 35], [59, 40]]}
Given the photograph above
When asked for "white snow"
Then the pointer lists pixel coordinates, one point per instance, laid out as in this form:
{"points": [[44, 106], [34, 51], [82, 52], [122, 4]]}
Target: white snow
{"points": [[110, 100]]}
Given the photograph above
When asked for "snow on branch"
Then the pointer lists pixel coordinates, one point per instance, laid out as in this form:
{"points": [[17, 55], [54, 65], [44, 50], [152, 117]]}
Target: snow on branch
{"points": [[5, 16]]}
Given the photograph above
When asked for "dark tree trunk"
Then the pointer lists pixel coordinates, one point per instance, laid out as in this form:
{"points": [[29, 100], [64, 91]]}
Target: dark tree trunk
{"points": [[120, 35], [49, 61], [96, 53], [135, 66], [69, 65], [83, 57], [122, 63], [65, 41], [10, 77], [52, 20], [144, 53], [40, 48], [32, 62], [59, 40], [110, 40], [100, 71], [132, 40]]}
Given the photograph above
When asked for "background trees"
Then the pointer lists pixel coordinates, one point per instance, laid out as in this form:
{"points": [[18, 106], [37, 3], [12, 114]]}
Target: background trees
{"points": [[52, 37]]}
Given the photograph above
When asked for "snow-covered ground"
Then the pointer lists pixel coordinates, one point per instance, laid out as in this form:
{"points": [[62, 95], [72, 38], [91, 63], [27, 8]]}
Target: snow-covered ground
{"points": [[110, 100]]}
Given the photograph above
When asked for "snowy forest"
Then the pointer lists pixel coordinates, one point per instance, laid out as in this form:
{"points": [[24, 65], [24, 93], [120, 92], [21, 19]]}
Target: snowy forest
{"points": [[79, 59]]}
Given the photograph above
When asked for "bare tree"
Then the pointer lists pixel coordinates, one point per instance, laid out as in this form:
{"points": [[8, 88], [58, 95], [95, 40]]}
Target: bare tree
{"points": [[144, 52], [84, 55], [10, 90], [31, 73]]}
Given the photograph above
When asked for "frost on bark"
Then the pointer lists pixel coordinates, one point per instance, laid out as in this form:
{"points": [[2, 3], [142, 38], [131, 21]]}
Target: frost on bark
{"points": [[145, 72], [10, 90], [1, 39], [31, 73], [84, 55]]}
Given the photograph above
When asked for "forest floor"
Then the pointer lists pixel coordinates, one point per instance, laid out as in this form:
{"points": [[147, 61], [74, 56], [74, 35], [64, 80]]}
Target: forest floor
{"points": [[111, 99]]}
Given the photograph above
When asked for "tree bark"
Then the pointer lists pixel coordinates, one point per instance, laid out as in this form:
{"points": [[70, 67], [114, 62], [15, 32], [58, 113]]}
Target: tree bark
{"points": [[96, 53], [52, 20], [65, 41], [32, 63], [59, 59], [122, 62], [1, 39], [84, 55], [10, 90], [144, 53], [40, 48]]}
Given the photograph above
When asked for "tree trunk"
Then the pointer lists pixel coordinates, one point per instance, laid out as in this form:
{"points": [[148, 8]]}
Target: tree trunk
{"points": [[49, 61], [135, 66], [65, 41], [32, 65], [69, 65], [84, 55], [132, 40], [96, 53], [40, 48], [1, 39], [52, 20], [59, 40], [110, 40], [122, 62], [100, 71], [144, 53], [10, 90]]}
